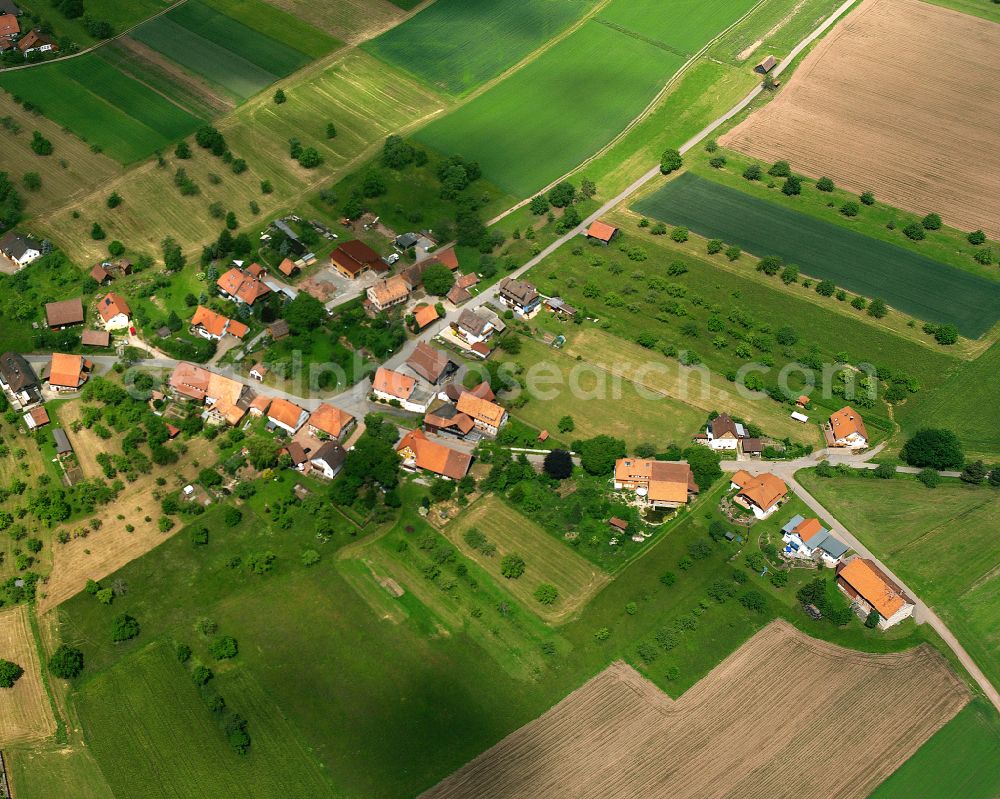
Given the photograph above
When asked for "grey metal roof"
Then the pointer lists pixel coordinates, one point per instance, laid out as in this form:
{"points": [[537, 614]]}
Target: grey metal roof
{"points": [[831, 545], [794, 522], [62, 441]]}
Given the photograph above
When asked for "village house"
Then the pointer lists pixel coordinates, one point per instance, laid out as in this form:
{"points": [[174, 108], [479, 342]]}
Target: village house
{"points": [[419, 452], [723, 433], [286, 415], [298, 456], [520, 296], [95, 338], [259, 405], [766, 65], [847, 429], [22, 250], [424, 315], [388, 293], [870, 588], [288, 267], [36, 41], [807, 539], [388, 385], [352, 258], [447, 258], [64, 313], [9, 29], [19, 380], [453, 391], [330, 421], [602, 232], [449, 420], [660, 484], [258, 371], [244, 286], [329, 459], [213, 326], [114, 311], [459, 292], [10, 7], [430, 363], [68, 372], [100, 275], [762, 494], [225, 400], [559, 307], [488, 416], [61, 440], [473, 328], [278, 329]]}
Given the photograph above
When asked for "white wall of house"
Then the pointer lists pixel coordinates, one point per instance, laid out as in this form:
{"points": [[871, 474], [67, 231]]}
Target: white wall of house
{"points": [[117, 322], [724, 443], [903, 613], [291, 430], [854, 441], [325, 469]]}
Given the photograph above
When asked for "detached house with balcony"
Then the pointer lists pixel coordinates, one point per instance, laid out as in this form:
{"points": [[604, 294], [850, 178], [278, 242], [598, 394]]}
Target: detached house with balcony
{"points": [[487, 416], [388, 293], [519, 296], [761, 494], [847, 429], [244, 286], [114, 312], [388, 385], [807, 539], [213, 326]]}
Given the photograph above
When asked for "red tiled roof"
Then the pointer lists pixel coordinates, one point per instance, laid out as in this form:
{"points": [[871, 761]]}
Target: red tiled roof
{"points": [[434, 457], [601, 230]]}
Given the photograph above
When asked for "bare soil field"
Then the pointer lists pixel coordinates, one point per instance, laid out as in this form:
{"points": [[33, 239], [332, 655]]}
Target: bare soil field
{"points": [[25, 713], [104, 551], [783, 716], [892, 101], [350, 21]]}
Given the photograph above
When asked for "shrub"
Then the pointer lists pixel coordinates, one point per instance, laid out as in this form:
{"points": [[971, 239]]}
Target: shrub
{"points": [[733, 252], [984, 256], [670, 161], [877, 308], [867, 198], [512, 566], [930, 478], [310, 557], [914, 231], [976, 237], [850, 208], [931, 222], [859, 302], [824, 184], [10, 673], [668, 578], [946, 334], [718, 162], [679, 234], [885, 471], [753, 600], [791, 186], [261, 562], [714, 246], [201, 675], [279, 97], [223, 648], [602, 634], [752, 172], [124, 628], [183, 652], [232, 517], [199, 536], [66, 662], [546, 594], [974, 473], [780, 169]]}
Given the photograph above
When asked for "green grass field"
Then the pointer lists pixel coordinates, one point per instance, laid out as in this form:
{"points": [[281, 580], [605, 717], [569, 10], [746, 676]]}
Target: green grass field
{"points": [[120, 15], [265, 18], [551, 114], [128, 120], [941, 541], [455, 45], [910, 282], [958, 405], [222, 49], [683, 26], [961, 759]]}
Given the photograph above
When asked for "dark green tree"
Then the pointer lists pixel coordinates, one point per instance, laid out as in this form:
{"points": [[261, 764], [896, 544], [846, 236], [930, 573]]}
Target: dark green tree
{"points": [[933, 447]]}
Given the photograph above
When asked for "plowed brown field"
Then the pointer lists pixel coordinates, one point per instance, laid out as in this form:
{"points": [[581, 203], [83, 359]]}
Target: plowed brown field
{"points": [[900, 100], [25, 713], [783, 716]]}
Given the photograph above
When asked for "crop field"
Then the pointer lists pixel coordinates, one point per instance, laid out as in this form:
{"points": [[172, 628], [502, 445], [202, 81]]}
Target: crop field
{"points": [[941, 541], [267, 18], [958, 405], [872, 105], [25, 713], [44, 771], [960, 759], [220, 48], [682, 26], [365, 101], [547, 560], [619, 736], [347, 20], [601, 401], [150, 747], [908, 281], [455, 45], [111, 110]]}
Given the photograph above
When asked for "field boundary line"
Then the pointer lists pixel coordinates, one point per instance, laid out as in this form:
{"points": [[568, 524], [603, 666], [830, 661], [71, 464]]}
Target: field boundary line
{"points": [[643, 115], [60, 733]]}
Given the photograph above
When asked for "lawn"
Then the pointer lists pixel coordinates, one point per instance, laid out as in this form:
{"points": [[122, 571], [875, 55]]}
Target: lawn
{"points": [[941, 541], [269, 19], [110, 110], [958, 405], [961, 759], [550, 115], [598, 401], [455, 45], [908, 281], [547, 560]]}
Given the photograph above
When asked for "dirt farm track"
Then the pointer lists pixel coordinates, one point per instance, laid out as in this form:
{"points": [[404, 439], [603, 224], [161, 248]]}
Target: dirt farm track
{"points": [[900, 99], [749, 729]]}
